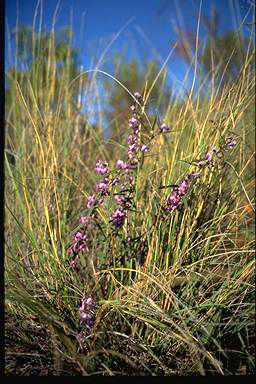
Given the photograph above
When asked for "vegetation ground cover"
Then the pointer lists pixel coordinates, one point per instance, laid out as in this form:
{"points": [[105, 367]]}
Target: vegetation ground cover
{"points": [[131, 252]]}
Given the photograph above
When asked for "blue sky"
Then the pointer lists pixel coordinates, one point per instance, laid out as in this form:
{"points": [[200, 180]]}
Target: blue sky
{"points": [[149, 35]]}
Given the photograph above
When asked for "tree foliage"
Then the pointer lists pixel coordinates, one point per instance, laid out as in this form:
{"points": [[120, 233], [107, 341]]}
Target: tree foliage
{"points": [[221, 56], [225, 56], [44, 60]]}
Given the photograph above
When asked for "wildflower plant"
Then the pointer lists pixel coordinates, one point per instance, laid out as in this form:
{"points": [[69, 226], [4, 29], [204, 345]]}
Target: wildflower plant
{"points": [[118, 187]]}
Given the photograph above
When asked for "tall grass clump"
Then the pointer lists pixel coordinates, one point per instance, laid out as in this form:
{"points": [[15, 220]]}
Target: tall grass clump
{"points": [[138, 264]]}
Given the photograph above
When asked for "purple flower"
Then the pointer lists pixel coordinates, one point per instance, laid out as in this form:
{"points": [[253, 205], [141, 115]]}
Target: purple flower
{"points": [[118, 218], [194, 175], [164, 128], [121, 165], [79, 242], [78, 245], [101, 167], [131, 150], [183, 187], [172, 201], [86, 316], [207, 159], [115, 181], [132, 139], [135, 131], [119, 199], [137, 95], [84, 220], [133, 122], [144, 148], [78, 236], [132, 107], [91, 200], [209, 156], [74, 262], [230, 143], [173, 198], [102, 185], [87, 304]]}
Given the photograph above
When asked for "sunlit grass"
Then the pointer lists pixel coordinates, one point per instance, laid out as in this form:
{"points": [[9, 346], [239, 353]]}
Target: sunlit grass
{"points": [[174, 295]]}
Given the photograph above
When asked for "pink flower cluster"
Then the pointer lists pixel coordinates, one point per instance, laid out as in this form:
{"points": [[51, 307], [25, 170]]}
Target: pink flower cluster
{"points": [[174, 199], [164, 128], [122, 185], [118, 218], [101, 167], [78, 245], [80, 239], [86, 316], [122, 199]]}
